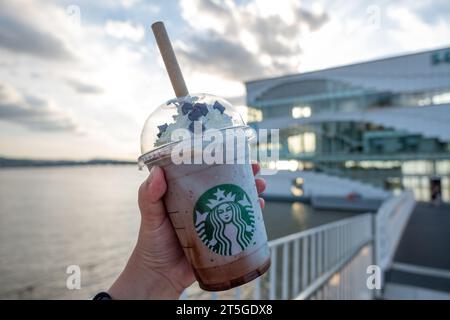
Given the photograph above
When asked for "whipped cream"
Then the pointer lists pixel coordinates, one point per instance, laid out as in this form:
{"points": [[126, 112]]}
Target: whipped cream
{"points": [[190, 109]]}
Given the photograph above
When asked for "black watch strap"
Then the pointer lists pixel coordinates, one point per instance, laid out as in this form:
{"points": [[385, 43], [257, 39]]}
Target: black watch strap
{"points": [[102, 296]]}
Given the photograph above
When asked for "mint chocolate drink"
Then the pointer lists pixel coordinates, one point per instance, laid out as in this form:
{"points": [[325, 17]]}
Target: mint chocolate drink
{"points": [[211, 194]]}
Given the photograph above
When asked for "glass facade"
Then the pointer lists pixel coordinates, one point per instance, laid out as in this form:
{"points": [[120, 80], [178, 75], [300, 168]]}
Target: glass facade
{"points": [[302, 143], [363, 150]]}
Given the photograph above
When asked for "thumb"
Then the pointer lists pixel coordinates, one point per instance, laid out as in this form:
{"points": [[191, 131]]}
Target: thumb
{"points": [[150, 196]]}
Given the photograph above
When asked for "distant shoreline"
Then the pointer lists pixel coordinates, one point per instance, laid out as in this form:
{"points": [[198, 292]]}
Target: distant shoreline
{"points": [[30, 163]]}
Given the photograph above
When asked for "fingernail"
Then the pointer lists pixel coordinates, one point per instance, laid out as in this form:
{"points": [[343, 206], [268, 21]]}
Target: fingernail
{"points": [[262, 203]]}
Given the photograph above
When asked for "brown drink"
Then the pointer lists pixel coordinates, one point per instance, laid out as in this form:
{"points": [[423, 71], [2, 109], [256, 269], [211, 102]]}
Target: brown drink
{"points": [[227, 243]]}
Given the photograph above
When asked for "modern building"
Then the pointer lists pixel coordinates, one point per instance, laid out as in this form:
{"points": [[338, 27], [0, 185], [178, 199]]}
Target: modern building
{"points": [[384, 122]]}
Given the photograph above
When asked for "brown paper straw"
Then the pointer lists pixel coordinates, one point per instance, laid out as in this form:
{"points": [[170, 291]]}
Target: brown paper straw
{"points": [[170, 60]]}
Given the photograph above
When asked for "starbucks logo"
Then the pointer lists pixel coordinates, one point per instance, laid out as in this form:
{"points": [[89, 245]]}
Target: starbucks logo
{"points": [[224, 219]]}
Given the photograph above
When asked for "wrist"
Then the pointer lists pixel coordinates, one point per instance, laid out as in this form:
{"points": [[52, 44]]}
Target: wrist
{"points": [[137, 282]]}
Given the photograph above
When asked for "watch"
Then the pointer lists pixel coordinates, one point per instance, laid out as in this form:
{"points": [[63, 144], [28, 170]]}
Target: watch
{"points": [[102, 296]]}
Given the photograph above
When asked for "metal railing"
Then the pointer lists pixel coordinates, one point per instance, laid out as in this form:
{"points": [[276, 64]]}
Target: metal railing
{"points": [[390, 221], [329, 261]]}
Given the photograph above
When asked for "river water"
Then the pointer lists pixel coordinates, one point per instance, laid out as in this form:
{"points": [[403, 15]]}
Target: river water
{"points": [[51, 218]]}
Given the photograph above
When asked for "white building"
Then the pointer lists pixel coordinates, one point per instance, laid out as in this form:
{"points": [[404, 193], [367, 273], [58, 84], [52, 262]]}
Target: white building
{"points": [[385, 123]]}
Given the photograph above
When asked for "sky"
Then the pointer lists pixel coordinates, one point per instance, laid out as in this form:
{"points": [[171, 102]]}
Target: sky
{"points": [[79, 78]]}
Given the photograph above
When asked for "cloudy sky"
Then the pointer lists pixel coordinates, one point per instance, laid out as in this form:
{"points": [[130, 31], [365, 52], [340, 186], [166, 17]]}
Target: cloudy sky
{"points": [[79, 78]]}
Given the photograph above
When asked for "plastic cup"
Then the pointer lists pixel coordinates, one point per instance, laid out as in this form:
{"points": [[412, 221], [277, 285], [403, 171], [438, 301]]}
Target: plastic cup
{"points": [[214, 208]]}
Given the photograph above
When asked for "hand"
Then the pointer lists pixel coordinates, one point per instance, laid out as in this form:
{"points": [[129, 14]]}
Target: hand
{"points": [[158, 268]]}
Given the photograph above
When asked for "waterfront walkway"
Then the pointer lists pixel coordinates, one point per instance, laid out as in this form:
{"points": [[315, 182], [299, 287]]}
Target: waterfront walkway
{"points": [[421, 266]]}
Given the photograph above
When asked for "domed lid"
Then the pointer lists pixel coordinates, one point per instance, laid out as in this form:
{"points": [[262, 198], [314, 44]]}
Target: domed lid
{"points": [[180, 113]]}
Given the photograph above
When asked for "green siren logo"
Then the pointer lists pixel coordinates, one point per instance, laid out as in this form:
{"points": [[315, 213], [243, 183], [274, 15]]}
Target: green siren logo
{"points": [[224, 219]]}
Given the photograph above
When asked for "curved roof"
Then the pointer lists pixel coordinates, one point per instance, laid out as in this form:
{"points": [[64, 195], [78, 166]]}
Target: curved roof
{"points": [[408, 73], [301, 87]]}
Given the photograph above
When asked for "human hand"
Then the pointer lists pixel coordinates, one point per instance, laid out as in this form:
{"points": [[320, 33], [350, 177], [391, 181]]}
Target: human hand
{"points": [[158, 268]]}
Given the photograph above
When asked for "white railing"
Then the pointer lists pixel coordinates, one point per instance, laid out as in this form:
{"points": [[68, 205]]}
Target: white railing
{"points": [[329, 261], [304, 263], [390, 221]]}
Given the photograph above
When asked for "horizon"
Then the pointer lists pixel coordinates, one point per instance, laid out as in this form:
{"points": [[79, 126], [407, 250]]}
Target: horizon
{"points": [[80, 78], [3, 157]]}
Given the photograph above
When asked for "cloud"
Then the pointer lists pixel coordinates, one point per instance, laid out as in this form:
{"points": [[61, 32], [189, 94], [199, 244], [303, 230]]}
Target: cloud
{"points": [[410, 26], [20, 34], [128, 3], [124, 30], [82, 87], [33, 112], [260, 38], [217, 55]]}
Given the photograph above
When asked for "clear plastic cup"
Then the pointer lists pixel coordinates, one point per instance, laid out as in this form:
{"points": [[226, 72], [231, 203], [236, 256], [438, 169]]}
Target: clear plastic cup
{"points": [[213, 207]]}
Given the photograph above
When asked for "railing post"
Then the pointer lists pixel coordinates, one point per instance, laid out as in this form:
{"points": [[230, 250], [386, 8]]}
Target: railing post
{"points": [[285, 284], [319, 253], [336, 245], [339, 245], [351, 245], [273, 273], [257, 290], [326, 250], [375, 248], [346, 242], [304, 262], [344, 249], [313, 257], [296, 271]]}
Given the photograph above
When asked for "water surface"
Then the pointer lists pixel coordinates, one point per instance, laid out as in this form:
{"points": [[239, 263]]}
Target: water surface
{"points": [[51, 218]]}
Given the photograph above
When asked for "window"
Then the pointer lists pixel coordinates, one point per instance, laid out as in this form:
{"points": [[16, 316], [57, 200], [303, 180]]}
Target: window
{"points": [[443, 167], [302, 143], [309, 141], [291, 165], [417, 167], [301, 112], [441, 98], [419, 185], [254, 115]]}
